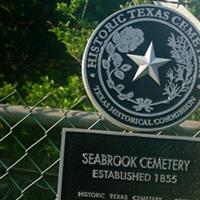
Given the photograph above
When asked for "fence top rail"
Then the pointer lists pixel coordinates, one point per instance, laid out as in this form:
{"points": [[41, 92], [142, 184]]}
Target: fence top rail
{"points": [[80, 119]]}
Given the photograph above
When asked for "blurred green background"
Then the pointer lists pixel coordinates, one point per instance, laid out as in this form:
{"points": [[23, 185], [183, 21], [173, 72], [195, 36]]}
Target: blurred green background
{"points": [[42, 43], [41, 47]]}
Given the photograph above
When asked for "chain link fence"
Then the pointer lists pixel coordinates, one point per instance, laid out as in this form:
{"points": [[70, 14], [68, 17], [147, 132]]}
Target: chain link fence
{"points": [[30, 138]]}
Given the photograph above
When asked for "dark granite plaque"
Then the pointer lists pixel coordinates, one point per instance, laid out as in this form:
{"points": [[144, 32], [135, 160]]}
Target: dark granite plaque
{"points": [[124, 166]]}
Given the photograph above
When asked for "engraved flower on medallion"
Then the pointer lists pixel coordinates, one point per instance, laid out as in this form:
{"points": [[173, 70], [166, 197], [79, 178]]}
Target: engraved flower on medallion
{"points": [[128, 39], [143, 104]]}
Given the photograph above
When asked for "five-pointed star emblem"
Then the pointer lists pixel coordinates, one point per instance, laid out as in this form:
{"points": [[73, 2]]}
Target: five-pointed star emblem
{"points": [[148, 64]]}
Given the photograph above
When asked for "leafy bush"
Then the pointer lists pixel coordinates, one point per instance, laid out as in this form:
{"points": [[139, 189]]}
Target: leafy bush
{"points": [[43, 43], [6, 90], [61, 96]]}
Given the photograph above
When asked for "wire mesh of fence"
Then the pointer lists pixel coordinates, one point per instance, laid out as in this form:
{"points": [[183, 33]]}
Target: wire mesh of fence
{"points": [[30, 138]]}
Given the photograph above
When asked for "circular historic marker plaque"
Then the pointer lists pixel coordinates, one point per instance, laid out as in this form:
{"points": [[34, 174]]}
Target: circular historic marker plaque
{"points": [[141, 68]]}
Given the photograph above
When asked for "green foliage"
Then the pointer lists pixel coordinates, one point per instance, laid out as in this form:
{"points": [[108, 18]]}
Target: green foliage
{"points": [[195, 115], [194, 6], [74, 39], [61, 96], [28, 49], [135, 2], [43, 43], [72, 31], [77, 25], [6, 90]]}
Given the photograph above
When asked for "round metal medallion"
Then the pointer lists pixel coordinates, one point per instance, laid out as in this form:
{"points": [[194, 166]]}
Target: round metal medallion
{"points": [[141, 68]]}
